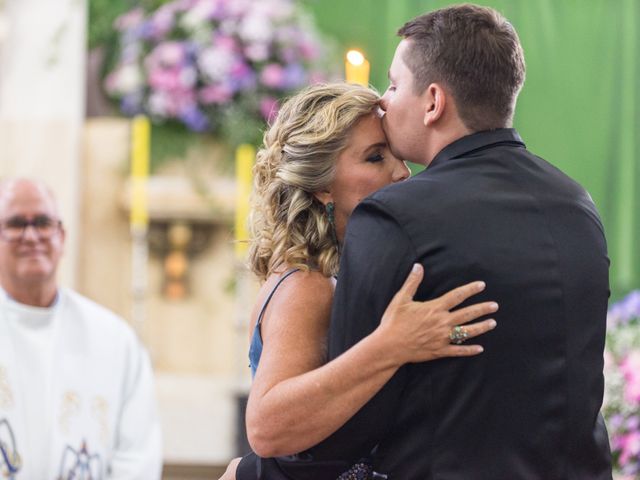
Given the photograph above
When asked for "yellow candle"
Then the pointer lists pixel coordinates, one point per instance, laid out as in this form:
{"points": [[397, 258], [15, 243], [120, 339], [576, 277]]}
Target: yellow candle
{"points": [[245, 155], [356, 68], [140, 147]]}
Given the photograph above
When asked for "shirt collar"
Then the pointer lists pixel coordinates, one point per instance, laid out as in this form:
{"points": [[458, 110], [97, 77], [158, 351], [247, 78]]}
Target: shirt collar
{"points": [[476, 141]]}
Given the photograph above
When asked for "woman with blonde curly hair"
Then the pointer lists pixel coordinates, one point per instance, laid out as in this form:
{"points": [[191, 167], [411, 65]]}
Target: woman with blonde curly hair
{"points": [[324, 153]]}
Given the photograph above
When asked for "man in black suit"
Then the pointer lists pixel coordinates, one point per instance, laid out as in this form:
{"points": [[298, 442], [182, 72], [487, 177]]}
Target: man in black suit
{"points": [[485, 208]]}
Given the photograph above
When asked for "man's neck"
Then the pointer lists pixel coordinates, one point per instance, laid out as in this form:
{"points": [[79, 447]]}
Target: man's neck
{"points": [[33, 295], [443, 138]]}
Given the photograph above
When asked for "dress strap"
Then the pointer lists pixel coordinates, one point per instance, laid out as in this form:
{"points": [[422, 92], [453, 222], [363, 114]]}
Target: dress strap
{"points": [[266, 302]]}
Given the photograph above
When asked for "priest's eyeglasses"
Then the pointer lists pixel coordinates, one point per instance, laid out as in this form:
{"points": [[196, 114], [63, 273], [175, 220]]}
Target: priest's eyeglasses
{"points": [[14, 228]]}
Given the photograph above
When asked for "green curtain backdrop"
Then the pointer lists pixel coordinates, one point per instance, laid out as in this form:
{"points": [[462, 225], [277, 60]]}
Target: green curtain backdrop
{"points": [[579, 108]]}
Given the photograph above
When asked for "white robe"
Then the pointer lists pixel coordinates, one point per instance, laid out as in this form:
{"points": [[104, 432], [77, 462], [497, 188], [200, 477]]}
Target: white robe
{"points": [[76, 394]]}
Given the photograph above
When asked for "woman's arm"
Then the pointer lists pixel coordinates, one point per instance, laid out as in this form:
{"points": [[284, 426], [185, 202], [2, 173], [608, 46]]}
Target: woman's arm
{"points": [[295, 401]]}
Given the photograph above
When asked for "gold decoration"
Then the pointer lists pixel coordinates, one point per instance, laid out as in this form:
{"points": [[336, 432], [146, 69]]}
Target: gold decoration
{"points": [[70, 407], [100, 411], [6, 394]]}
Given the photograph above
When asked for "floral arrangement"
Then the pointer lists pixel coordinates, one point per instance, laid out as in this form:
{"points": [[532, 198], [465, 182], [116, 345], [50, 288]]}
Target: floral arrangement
{"points": [[622, 392], [217, 66]]}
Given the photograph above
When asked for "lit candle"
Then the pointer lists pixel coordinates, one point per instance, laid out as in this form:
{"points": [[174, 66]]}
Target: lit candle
{"points": [[245, 155], [356, 68], [140, 147]]}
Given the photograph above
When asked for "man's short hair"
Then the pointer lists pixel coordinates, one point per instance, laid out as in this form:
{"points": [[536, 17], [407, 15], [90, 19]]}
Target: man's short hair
{"points": [[476, 54]]}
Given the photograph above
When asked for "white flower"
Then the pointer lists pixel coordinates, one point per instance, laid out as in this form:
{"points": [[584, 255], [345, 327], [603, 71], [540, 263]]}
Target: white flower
{"points": [[277, 9], [198, 15], [258, 52], [188, 77], [256, 28], [215, 63], [129, 79], [158, 104]]}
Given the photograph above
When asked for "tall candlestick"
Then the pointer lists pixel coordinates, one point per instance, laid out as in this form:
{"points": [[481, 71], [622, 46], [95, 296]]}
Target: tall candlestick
{"points": [[139, 218], [140, 148], [245, 155], [356, 68]]}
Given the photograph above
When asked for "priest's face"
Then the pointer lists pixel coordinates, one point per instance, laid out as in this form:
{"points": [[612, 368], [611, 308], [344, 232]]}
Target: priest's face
{"points": [[31, 237]]}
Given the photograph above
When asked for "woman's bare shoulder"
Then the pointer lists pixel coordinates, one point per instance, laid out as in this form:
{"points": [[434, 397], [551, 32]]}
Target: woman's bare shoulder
{"points": [[302, 284], [303, 295]]}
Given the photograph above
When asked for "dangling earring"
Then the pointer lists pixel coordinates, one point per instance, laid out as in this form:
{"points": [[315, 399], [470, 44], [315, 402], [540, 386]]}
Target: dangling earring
{"points": [[331, 216]]}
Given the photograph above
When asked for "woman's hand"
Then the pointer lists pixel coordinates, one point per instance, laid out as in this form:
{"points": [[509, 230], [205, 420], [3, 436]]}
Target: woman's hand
{"points": [[230, 473], [421, 331]]}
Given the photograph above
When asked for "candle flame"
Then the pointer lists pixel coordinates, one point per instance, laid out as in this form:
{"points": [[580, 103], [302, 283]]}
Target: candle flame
{"points": [[354, 57]]}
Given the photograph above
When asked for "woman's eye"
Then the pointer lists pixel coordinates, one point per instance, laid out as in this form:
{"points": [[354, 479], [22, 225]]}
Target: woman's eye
{"points": [[375, 158]]}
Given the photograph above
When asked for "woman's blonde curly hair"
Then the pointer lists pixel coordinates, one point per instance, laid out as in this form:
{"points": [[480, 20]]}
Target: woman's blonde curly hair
{"points": [[288, 223]]}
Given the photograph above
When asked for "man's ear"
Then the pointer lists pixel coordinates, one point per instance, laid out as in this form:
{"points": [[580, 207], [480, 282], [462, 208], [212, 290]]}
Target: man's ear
{"points": [[324, 197], [435, 103]]}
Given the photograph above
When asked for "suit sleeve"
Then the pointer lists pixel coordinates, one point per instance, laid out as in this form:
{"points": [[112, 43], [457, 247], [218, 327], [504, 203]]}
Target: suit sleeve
{"points": [[376, 259]]}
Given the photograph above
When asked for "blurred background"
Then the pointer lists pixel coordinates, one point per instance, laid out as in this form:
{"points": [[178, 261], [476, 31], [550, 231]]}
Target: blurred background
{"points": [[144, 116]]}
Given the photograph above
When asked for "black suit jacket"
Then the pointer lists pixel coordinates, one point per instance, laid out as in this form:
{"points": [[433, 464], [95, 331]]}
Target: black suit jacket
{"points": [[528, 407]]}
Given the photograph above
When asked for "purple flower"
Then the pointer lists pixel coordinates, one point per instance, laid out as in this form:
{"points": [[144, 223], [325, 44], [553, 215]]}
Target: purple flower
{"points": [[625, 310], [195, 119], [242, 77], [616, 421], [294, 76], [131, 104]]}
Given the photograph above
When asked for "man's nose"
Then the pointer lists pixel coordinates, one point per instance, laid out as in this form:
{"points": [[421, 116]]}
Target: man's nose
{"points": [[383, 103], [402, 172], [30, 234]]}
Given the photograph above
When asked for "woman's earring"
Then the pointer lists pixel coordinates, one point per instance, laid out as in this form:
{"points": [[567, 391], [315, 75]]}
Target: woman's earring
{"points": [[331, 216]]}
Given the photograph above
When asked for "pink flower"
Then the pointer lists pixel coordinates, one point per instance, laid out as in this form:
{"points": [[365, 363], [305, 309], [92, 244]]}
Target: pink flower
{"points": [[631, 370], [170, 53], [165, 79], [269, 108], [226, 42], [258, 52], [218, 93], [317, 77], [630, 446], [309, 50], [273, 76], [130, 19]]}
